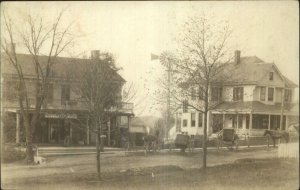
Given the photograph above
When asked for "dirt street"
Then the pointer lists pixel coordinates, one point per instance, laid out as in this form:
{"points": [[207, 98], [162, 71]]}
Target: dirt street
{"points": [[117, 161]]}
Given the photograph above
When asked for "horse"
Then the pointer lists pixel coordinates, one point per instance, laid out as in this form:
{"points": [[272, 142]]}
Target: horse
{"points": [[274, 134]]}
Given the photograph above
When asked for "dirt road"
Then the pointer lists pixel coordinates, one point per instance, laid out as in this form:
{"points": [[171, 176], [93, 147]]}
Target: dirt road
{"points": [[118, 161]]}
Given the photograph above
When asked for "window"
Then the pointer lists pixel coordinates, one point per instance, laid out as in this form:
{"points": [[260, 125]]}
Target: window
{"points": [[287, 95], [178, 123], [201, 93], [270, 94], [50, 93], [234, 119], [193, 119], [260, 121], [216, 94], [65, 93], [184, 106], [200, 123], [10, 90], [193, 94], [184, 123], [262, 93], [247, 121], [271, 77], [238, 93]]}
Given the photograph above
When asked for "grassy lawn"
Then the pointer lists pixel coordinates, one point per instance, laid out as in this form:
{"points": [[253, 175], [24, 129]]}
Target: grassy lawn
{"points": [[246, 173]]}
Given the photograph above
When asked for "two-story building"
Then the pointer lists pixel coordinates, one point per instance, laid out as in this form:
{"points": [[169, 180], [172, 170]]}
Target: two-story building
{"points": [[64, 113], [255, 97]]}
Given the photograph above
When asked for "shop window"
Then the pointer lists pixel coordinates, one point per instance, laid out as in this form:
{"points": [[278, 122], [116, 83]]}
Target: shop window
{"points": [[193, 119], [262, 93], [238, 94], [270, 94]]}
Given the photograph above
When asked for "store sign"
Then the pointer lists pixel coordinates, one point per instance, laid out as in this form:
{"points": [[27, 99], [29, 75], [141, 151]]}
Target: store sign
{"points": [[61, 115]]}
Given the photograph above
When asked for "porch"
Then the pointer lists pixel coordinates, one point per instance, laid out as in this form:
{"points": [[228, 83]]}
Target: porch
{"points": [[252, 124]]}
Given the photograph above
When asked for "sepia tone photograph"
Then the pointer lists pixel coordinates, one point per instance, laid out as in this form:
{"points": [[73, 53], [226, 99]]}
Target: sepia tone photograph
{"points": [[150, 95]]}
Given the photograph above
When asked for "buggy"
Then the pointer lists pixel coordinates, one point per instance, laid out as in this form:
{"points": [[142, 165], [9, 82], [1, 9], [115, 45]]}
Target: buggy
{"points": [[229, 137]]}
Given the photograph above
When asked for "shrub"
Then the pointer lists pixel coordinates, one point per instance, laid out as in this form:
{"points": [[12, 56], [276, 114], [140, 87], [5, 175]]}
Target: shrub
{"points": [[11, 154]]}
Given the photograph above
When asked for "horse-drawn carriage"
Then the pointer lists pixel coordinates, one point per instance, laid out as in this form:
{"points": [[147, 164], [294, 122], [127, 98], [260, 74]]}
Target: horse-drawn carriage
{"points": [[227, 136], [182, 141]]}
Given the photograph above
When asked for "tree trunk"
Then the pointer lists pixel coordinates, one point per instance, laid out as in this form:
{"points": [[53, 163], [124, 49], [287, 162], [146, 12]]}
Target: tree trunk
{"points": [[98, 141], [204, 145], [29, 145]]}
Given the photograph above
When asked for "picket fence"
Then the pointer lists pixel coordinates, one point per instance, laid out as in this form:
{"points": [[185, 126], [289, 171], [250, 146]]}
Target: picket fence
{"points": [[288, 150]]}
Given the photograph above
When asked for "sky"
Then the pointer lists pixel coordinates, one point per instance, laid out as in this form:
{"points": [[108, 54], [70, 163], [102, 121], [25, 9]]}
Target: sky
{"points": [[134, 30]]}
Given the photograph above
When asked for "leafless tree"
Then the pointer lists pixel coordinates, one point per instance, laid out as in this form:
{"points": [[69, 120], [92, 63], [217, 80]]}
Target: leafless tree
{"points": [[36, 35], [200, 65], [99, 87]]}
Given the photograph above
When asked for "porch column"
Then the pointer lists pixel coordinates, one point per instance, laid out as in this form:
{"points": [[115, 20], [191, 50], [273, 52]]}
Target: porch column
{"points": [[87, 131], [17, 128], [250, 123], [208, 123], [237, 121], [71, 136], [108, 133], [269, 124], [223, 120]]}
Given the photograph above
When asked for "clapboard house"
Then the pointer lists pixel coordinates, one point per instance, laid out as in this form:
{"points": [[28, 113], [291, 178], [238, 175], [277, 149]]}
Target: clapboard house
{"points": [[255, 97], [64, 112]]}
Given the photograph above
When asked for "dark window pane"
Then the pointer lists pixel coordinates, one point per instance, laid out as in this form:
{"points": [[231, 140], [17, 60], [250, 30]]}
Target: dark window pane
{"points": [[270, 94], [262, 93]]}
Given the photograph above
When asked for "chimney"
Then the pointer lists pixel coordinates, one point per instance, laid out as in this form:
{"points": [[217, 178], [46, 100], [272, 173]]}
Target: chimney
{"points": [[237, 56], [95, 54]]}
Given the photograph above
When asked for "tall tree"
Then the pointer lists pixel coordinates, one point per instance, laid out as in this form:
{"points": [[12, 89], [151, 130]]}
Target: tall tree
{"points": [[200, 65], [35, 35], [100, 88]]}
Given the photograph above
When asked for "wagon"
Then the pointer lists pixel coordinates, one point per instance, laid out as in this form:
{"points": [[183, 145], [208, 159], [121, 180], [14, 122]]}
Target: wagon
{"points": [[229, 137], [182, 141]]}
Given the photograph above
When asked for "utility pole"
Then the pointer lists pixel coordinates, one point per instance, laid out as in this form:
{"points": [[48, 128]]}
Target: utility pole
{"points": [[155, 57], [169, 97]]}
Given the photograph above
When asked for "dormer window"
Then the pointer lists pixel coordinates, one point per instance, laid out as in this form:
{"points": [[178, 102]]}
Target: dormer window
{"points": [[271, 77]]}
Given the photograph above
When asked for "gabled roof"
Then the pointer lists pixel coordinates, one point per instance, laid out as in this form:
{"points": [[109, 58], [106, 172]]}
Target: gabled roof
{"points": [[250, 70], [61, 67]]}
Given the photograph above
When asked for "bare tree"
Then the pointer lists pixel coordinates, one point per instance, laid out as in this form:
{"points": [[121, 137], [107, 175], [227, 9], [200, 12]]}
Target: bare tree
{"points": [[200, 65], [35, 36], [99, 87]]}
